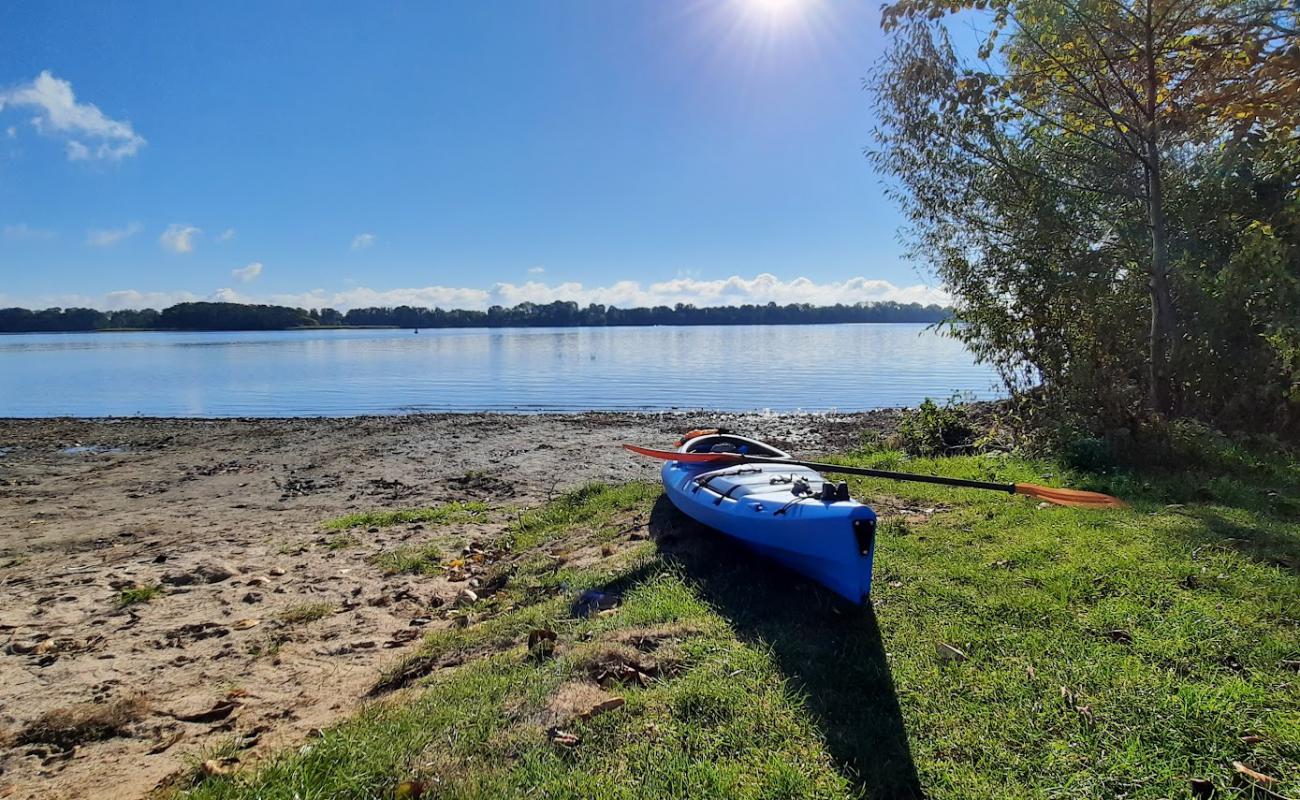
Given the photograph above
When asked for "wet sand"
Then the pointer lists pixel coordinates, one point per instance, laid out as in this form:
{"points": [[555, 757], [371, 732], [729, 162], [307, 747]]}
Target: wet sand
{"points": [[226, 516]]}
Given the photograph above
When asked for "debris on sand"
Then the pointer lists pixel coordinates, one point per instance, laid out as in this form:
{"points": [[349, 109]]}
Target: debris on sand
{"points": [[69, 727]]}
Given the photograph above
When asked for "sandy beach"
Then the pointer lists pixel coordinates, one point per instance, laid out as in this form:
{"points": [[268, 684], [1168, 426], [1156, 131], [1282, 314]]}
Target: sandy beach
{"points": [[268, 625]]}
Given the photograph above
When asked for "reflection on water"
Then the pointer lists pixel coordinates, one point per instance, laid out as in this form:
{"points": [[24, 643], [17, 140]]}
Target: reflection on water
{"points": [[348, 372]]}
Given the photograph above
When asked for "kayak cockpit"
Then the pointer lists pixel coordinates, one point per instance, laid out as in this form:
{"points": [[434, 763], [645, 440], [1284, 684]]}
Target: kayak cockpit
{"points": [[731, 443]]}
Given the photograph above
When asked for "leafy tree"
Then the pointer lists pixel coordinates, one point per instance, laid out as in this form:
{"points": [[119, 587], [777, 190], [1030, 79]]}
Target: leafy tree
{"points": [[1039, 176]]}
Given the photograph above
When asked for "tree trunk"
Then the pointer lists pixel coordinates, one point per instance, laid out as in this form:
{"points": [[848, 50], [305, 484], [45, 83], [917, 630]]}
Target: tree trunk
{"points": [[1159, 381]]}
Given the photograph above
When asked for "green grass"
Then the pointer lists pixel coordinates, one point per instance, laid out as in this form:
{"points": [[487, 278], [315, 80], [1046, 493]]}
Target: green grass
{"points": [[415, 560], [438, 515], [1111, 654], [138, 594], [341, 541], [305, 613]]}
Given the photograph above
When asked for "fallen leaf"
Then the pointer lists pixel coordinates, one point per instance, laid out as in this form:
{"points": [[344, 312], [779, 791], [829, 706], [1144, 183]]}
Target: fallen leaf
{"points": [[947, 652], [541, 643], [1120, 636], [223, 766], [409, 790], [1251, 739], [1086, 711], [218, 711], [1257, 777], [601, 707], [1029, 670], [245, 624], [1202, 789], [162, 745]]}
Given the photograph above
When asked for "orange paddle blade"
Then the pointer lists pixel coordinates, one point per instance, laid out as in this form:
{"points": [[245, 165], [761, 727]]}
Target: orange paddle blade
{"points": [[1075, 498], [673, 455]]}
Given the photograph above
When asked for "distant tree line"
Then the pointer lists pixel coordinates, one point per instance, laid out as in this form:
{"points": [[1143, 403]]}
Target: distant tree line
{"points": [[242, 317]]}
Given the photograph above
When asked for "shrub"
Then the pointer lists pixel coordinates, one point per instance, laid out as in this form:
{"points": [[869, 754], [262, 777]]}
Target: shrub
{"points": [[935, 430]]}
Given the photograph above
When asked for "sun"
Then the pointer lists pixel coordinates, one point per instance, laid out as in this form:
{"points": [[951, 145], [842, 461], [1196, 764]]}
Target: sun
{"points": [[773, 11]]}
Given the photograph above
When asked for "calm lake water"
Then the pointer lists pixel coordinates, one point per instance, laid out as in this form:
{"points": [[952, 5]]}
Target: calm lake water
{"points": [[350, 372]]}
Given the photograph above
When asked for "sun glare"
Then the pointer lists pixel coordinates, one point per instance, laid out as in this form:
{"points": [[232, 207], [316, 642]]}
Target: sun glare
{"points": [[773, 12]]}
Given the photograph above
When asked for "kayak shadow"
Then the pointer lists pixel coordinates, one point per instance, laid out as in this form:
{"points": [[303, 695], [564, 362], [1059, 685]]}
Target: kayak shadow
{"points": [[830, 651]]}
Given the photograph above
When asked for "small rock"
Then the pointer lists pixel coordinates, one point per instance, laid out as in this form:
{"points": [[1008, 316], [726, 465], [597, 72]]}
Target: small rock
{"points": [[420, 621], [206, 572], [277, 571]]}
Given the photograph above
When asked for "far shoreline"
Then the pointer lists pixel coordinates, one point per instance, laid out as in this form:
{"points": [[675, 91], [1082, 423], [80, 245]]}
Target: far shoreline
{"points": [[302, 328]]}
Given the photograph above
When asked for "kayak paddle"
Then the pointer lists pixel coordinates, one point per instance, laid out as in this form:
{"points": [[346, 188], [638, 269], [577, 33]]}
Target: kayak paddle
{"points": [[1075, 498]]}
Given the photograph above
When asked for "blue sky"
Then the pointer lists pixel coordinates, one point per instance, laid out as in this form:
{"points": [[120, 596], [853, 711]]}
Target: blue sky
{"points": [[450, 153]]}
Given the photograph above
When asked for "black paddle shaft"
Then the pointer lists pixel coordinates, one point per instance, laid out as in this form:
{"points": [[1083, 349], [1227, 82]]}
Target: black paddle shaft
{"points": [[1009, 488]]}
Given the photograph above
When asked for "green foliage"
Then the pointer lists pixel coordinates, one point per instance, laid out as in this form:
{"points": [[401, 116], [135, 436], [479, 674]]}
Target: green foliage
{"points": [[415, 560], [341, 541], [1036, 188], [138, 594], [306, 612], [936, 430], [459, 511]]}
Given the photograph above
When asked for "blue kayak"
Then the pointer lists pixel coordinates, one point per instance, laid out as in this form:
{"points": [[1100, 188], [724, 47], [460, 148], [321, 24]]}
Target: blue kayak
{"points": [[790, 514]]}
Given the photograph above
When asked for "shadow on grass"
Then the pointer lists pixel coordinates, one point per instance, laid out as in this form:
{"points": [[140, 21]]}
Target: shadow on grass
{"points": [[1261, 543], [832, 653]]}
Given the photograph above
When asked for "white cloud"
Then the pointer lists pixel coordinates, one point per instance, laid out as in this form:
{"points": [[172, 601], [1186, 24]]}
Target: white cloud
{"points": [[24, 232], [362, 240], [226, 235], [11, 132], [247, 274], [59, 113], [179, 238], [536, 270], [111, 236]]}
